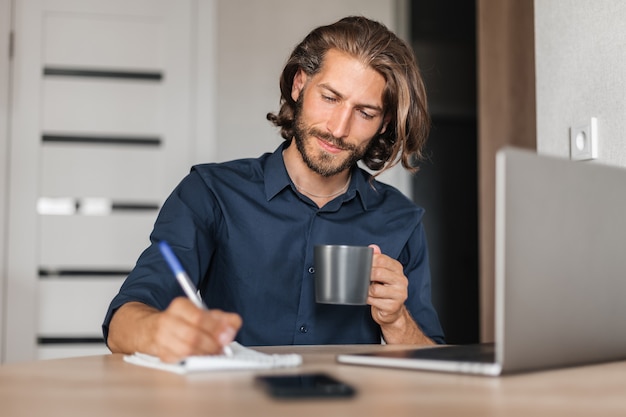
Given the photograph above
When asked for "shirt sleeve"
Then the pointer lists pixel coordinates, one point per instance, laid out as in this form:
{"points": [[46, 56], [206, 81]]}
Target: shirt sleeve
{"points": [[417, 269], [185, 222]]}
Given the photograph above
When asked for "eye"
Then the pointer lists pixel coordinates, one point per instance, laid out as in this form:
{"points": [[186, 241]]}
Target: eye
{"points": [[366, 115], [329, 99]]}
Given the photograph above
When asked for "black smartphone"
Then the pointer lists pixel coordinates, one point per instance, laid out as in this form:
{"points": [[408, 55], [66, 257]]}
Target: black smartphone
{"points": [[314, 385]]}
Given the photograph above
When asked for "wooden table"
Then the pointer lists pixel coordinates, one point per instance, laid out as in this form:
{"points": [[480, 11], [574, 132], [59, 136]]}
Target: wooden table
{"points": [[107, 386]]}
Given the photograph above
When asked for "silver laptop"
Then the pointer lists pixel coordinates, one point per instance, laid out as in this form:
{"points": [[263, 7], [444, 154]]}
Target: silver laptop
{"points": [[560, 272]]}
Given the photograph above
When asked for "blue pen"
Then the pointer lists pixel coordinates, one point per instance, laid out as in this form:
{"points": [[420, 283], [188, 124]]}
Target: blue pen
{"points": [[184, 281], [181, 275]]}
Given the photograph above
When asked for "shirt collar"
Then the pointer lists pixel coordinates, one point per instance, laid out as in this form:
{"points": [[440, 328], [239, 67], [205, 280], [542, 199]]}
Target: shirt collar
{"points": [[366, 187], [277, 179]]}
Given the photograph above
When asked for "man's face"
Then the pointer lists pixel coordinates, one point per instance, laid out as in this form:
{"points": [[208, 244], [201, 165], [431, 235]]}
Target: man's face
{"points": [[338, 111]]}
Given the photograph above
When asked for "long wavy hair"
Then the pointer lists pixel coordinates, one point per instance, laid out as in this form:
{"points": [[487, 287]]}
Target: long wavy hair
{"points": [[404, 96]]}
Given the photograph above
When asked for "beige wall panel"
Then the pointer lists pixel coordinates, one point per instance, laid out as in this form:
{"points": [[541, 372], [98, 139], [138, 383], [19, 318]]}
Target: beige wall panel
{"points": [[94, 41], [75, 306], [101, 106], [101, 171], [94, 242]]}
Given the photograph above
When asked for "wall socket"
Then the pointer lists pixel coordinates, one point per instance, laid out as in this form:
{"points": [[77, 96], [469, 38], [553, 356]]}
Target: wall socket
{"points": [[583, 141]]}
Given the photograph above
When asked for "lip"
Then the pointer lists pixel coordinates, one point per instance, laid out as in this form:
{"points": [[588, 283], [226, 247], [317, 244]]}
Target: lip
{"points": [[328, 147]]}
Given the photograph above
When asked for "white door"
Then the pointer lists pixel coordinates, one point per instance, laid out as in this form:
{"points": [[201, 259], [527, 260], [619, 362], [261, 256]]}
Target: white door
{"points": [[100, 134]]}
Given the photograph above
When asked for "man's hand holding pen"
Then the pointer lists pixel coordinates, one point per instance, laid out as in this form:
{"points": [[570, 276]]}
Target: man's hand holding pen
{"points": [[183, 330]]}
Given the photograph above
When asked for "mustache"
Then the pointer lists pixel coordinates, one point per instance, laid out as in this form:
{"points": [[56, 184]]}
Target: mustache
{"points": [[338, 142]]}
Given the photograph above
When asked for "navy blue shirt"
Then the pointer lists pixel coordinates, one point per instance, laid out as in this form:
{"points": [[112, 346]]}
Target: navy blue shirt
{"points": [[245, 236]]}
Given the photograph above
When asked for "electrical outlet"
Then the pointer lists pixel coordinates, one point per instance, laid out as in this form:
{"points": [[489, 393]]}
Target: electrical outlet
{"points": [[583, 141]]}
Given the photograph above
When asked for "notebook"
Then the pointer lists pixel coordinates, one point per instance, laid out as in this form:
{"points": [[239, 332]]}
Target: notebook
{"points": [[242, 358], [560, 281]]}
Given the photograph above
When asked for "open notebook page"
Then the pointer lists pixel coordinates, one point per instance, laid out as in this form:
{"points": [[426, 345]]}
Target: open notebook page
{"points": [[242, 358]]}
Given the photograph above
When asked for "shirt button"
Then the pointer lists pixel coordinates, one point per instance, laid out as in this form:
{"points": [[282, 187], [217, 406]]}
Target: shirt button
{"points": [[311, 270], [303, 329]]}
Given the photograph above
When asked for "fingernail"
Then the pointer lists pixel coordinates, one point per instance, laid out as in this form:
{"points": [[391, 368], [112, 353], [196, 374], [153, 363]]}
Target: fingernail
{"points": [[227, 351], [227, 336]]}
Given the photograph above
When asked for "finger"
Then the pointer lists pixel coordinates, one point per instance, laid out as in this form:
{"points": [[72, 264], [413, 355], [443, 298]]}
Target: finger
{"points": [[219, 324], [384, 275], [188, 330], [384, 291], [184, 308], [175, 337], [191, 327], [215, 329], [376, 249], [385, 307], [382, 260], [385, 262], [226, 326]]}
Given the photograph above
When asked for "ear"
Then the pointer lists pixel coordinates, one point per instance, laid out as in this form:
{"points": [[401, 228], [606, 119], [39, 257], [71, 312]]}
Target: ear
{"points": [[299, 81]]}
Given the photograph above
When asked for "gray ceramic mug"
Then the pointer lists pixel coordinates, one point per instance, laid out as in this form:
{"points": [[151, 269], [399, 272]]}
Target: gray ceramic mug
{"points": [[342, 274]]}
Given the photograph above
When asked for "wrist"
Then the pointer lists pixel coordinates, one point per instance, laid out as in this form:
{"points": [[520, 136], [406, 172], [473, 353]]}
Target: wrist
{"points": [[399, 326], [132, 329], [404, 330]]}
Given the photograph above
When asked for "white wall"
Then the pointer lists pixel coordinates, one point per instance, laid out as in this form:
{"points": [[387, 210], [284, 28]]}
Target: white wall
{"points": [[581, 72]]}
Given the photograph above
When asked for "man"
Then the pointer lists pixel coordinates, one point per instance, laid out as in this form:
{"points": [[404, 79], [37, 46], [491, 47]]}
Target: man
{"points": [[245, 230]]}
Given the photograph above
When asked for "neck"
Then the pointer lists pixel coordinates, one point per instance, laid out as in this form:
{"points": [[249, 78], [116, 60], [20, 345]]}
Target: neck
{"points": [[310, 183], [336, 193]]}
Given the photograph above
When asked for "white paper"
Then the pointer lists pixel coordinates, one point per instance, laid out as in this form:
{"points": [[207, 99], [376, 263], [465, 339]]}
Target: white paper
{"points": [[242, 358]]}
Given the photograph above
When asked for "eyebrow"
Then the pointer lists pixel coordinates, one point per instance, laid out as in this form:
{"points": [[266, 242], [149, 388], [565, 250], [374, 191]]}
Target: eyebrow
{"points": [[362, 105]]}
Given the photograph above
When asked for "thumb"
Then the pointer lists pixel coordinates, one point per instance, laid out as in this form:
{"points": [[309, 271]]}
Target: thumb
{"points": [[376, 249]]}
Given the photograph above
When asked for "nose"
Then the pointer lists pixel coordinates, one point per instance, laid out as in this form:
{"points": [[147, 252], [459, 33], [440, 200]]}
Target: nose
{"points": [[339, 123]]}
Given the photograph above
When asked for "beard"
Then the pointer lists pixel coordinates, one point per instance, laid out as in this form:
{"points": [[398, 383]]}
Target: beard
{"points": [[323, 163]]}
